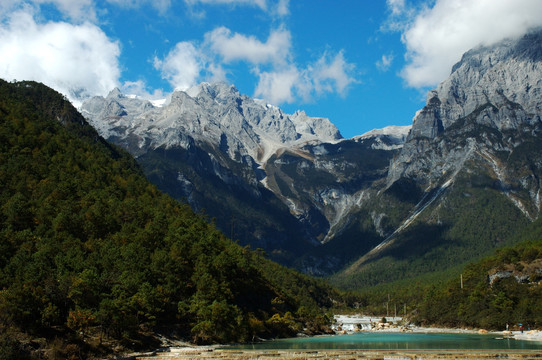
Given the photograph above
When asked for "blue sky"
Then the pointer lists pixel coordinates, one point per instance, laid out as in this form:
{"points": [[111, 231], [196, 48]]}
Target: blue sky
{"points": [[364, 64]]}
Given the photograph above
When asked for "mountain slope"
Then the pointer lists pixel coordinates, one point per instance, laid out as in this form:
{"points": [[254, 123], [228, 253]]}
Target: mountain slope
{"points": [[269, 179], [468, 175], [498, 290], [389, 203], [91, 251]]}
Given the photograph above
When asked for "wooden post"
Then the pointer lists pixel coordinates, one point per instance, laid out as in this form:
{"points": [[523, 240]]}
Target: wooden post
{"points": [[461, 277]]}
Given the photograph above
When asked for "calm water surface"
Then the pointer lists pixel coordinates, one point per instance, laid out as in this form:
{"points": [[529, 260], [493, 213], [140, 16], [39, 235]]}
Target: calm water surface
{"points": [[391, 341]]}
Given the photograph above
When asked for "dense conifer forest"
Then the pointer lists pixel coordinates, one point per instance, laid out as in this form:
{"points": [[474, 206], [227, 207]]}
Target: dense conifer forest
{"points": [[93, 256], [504, 288]]}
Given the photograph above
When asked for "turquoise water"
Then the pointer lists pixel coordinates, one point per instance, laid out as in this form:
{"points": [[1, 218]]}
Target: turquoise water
{"points": [[393, 341]]}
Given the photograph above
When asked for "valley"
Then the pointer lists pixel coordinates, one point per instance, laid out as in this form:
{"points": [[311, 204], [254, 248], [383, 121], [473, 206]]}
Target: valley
{"points": [[126, 222], [325, 205]]}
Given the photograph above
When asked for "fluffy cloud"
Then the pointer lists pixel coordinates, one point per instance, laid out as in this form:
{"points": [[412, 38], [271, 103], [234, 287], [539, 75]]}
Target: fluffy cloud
{"points": [[161, 5], [234, 47], [75, 9], [182, 67], [78, 10], [280, 80], [278, 86], [329, 74], [260, 3], [76, 60], [332, 74], [139, 88], [437, 36]]}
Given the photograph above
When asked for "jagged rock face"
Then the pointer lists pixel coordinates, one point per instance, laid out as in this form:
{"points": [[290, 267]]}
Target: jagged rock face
{"points": [[272, 180], [214, 113], [506, 75], [490, 104], [472, 161]]}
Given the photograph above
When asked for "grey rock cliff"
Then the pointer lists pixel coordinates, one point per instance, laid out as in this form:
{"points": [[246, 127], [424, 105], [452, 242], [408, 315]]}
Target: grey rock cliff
{"points": [[216, 114], [497, 87]]}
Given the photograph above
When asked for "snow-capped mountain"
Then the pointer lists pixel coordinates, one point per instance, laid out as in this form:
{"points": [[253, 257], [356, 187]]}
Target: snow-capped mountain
{"points": [[216, 114], [293, 176], [455, 184], [389, 138], [468, 176]]}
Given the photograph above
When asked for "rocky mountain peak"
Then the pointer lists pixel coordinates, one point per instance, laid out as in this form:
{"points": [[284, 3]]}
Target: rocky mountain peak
{"points": [[212, 113], [505, 76], [115, 94], [217, 91], [489, 106]]}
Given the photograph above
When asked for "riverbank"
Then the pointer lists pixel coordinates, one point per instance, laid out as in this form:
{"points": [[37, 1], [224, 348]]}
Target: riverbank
{"points": [[351, 324], [223, 354], [185, 352]]}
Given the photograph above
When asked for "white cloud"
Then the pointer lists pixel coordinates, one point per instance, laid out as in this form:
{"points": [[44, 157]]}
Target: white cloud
{"points": [[182, 67], [74, 9], [332, 74], [280, 80], [289, 84], [385, 62], [76, 60], [259, 3], [436, 37], [78, 10], [140, 89], [283, 7], [397, 7], [238, 47], [278, 86]]}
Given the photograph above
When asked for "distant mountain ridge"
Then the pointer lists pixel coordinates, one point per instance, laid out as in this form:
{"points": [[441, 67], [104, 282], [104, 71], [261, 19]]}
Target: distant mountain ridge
{"points": [[293, 186], [225, 143], [214, 113]]}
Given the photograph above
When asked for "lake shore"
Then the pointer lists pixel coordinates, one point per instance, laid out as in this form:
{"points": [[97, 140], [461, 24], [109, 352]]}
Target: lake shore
{"points": [[186, 351], [225, 354], [349, 324]]}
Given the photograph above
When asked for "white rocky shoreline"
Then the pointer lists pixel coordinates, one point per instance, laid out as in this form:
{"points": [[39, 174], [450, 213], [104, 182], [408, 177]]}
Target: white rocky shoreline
{"points": [[347, 324]]}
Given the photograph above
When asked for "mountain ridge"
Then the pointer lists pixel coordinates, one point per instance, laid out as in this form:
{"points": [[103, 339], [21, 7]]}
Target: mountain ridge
{"points": [[479, 130], [329, 201], [245, 144]]}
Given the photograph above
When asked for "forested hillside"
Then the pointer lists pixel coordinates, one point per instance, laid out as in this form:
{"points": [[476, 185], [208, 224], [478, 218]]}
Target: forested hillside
{"points": [[93, 255], [504, 288]]}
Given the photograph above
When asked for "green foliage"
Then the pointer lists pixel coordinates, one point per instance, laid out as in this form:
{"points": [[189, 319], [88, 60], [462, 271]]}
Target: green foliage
{"points": [[489, 305], [88, 245], [440, 300]]}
